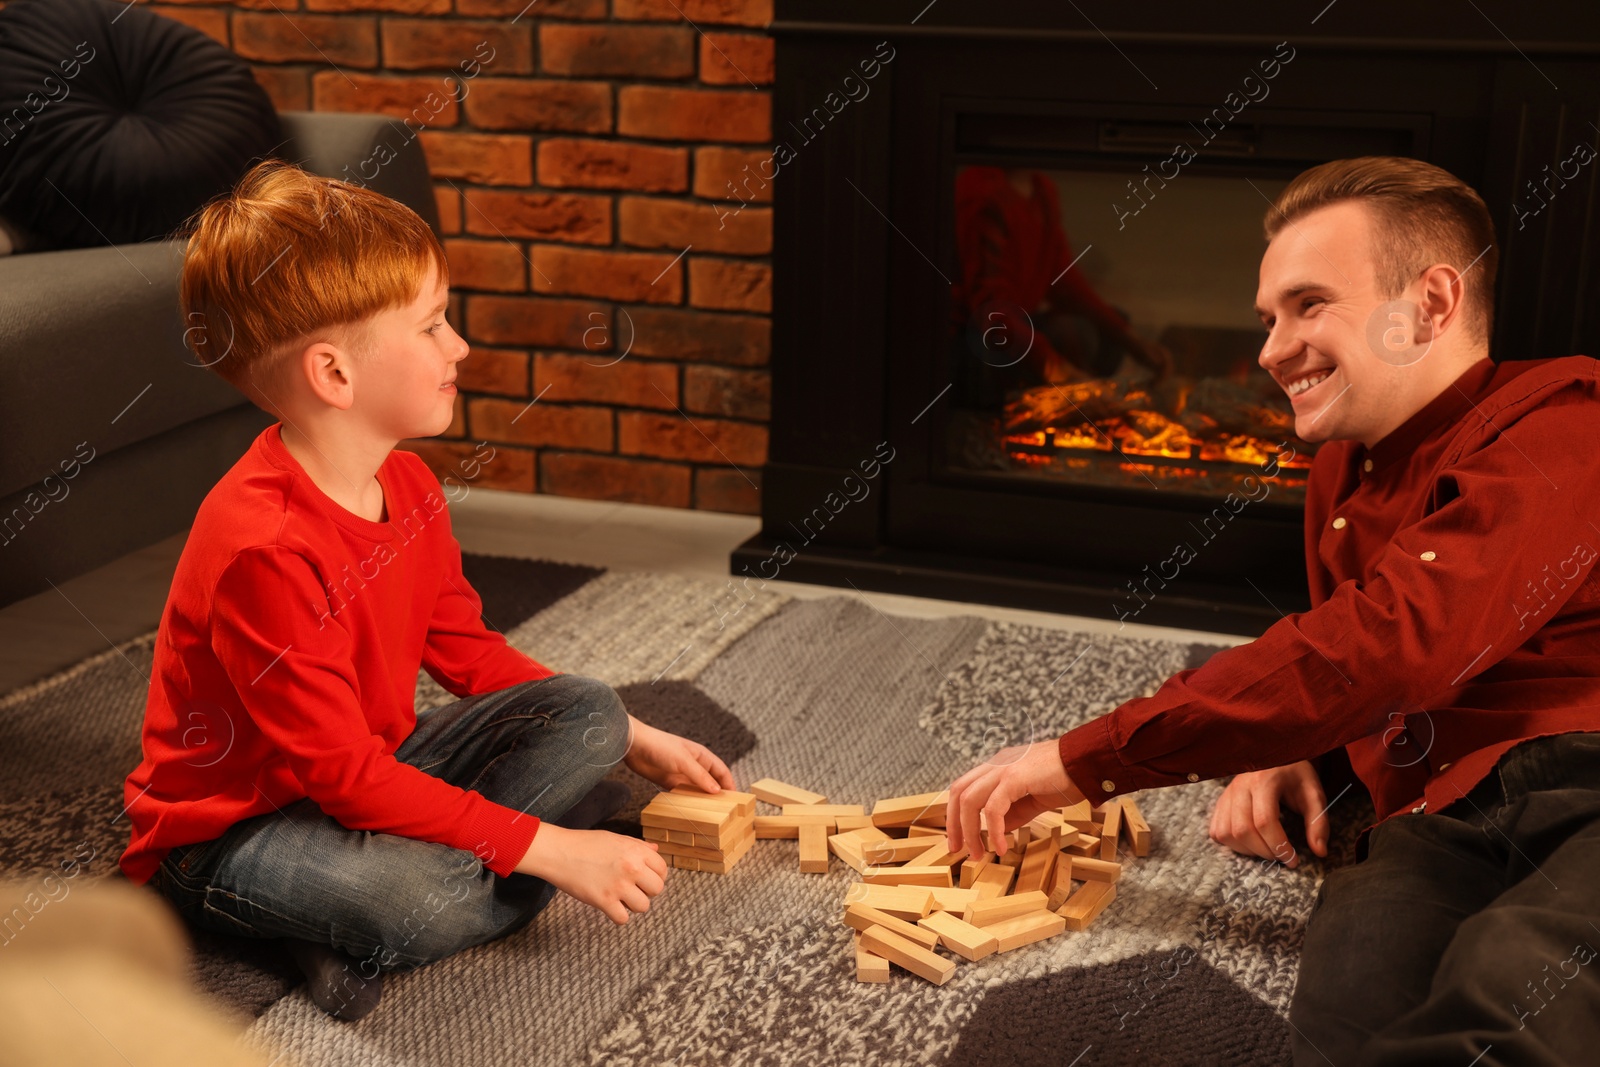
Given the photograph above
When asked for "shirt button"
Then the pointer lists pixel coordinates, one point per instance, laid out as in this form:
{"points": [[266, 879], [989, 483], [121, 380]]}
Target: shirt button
{"points": [[1428, 557], [1444, 767], [1193, 777], [1108, 786], [1367, 465], [1338, 524]]}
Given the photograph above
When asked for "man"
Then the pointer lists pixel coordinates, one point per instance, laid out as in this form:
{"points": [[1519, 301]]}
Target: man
{"points": [[1453, 648]]}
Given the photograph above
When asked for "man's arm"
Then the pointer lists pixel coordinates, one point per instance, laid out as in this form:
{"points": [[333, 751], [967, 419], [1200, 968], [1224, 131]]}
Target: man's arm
{"points": [[1441, 604], [290, 660]]}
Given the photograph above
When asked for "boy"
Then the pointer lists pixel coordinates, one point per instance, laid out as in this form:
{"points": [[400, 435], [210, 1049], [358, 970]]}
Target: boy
{"points": [[288, 789]]}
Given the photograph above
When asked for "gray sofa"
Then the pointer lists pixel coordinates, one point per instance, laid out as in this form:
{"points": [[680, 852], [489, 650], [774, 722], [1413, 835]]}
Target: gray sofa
{"points": [[110, 433]]}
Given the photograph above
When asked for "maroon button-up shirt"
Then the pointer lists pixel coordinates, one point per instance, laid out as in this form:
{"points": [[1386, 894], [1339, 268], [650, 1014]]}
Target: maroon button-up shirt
{"points": [[1456, 609]]}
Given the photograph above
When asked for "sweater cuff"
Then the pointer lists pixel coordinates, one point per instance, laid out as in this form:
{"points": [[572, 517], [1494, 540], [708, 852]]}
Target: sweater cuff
{"points": [[500, 836]]}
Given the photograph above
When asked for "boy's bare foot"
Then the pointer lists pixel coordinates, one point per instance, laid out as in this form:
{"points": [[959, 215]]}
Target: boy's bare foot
{"points": [[334, 980]]}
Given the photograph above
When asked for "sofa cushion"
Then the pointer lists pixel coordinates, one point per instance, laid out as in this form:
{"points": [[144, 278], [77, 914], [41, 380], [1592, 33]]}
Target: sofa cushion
{"points": [[116, 124]]}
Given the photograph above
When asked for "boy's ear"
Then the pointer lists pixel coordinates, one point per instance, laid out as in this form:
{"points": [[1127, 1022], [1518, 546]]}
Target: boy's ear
{"points": [[325, 369]]}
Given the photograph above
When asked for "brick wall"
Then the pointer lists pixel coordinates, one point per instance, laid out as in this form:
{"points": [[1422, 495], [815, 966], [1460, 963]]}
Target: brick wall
{"points": [[592, 144]]}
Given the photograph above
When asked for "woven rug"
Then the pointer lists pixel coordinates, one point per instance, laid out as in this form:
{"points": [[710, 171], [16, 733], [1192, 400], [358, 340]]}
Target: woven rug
{"points": [[1194, 963]]}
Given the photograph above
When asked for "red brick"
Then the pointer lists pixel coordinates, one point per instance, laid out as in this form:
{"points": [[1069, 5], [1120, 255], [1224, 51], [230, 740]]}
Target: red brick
{"points": [[629, 382], [667, 114], [449, 44], [641, 277], [283, 37], [742, 175], [540, 424], [259, 5], [738, 394], [572, 217], [538, 104], [403, 7], [548, 9], [538, 322], [458, 420], [494, 265], [210, 21], [610, 478], [720, 489], [704, 12], [567, 161], [735, 59], [617, 51], [449, 204], [701, 336], [502, 371], [464, 466], [289, 88], [486, 159], [426, 101], [648, 222], [702, 439], [730, 285]]}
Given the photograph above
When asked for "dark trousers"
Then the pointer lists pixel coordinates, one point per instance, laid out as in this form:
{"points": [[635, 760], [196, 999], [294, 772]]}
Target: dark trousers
{"points": [[1466, 937]]}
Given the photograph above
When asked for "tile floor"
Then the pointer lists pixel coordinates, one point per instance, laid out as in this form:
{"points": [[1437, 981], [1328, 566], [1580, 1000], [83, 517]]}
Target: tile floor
{"points": [[88, 614]]}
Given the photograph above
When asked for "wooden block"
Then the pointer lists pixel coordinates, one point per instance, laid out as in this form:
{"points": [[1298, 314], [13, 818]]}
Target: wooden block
{"points": [[1022, 835], [908, 902], [894, 850], [683, 863], [1080, 815], [984, 912], [994, 881], [1082, 907], [852, 822], [1060, 882], [1037, 864], [961, 937], [952, 899], [1135, 827], [813, 849], [937, 856], [824, 809], [848, 846], [862, 917], [1089, 869], [970, 869], [1111, 830], [1045, 822], [656, 833], [780, 793], [870, 967], [724, 865], [1082, 845], [738, 803], [668, 848], [1026, 929], [928, 809], [929, 876], [671, 813], [918, 830], [778, 827], [908, 954]]}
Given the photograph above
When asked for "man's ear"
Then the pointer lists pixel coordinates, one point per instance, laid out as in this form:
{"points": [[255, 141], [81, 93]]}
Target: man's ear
{"points": [[1441, 298]]}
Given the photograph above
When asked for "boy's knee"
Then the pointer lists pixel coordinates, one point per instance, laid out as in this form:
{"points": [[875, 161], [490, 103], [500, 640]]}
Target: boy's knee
{"points": [[604, 719]]}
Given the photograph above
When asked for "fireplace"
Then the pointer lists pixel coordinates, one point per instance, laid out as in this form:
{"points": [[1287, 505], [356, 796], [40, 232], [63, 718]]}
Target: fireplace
{"points": [[1014, 352]]}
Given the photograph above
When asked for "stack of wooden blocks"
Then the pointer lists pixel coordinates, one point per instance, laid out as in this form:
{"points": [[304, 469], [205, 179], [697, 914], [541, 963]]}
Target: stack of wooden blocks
{"points": [[915, 896], [701, 831]]}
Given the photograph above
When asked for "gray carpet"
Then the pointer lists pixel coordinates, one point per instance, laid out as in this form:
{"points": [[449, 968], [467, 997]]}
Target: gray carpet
{"points": [[1194, 963]]}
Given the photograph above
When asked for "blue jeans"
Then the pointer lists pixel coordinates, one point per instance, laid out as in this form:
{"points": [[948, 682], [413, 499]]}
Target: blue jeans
{"points": [[1468, 936], [395, 902]]}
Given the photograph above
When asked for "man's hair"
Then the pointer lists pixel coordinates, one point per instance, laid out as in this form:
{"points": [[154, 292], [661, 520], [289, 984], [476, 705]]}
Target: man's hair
{"points": [[1421, 215], [288, 259]]}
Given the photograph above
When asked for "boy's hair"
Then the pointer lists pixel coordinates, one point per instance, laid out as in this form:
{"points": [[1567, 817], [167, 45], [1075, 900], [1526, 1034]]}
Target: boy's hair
{"points": [[1421, 215], [290, 258]]}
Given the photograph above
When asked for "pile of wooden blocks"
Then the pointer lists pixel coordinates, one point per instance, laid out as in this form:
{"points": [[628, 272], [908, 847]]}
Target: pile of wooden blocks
{"points": [[915, 896], [701, 831]]}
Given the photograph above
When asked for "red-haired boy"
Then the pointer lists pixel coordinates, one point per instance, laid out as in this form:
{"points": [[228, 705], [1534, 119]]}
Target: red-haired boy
{"points": [[288, 788]]}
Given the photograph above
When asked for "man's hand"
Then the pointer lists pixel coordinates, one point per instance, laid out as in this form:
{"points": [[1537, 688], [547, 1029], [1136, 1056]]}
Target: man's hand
{"points": [[608, 871], [669, 760], [1011, 789], [1247, 818]]}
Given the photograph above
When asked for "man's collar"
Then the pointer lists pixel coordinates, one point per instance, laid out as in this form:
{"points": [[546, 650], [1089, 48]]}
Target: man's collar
{"points": [[1445, 408]]}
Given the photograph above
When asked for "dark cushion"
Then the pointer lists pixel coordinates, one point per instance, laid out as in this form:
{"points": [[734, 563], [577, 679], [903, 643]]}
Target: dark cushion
{"points": [[116, 124]]}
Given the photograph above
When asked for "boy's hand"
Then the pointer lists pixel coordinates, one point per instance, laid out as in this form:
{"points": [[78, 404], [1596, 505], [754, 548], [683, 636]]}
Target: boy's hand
{"points": [[1012, 788], [1247, 819], [608, 871], [669, 760]]}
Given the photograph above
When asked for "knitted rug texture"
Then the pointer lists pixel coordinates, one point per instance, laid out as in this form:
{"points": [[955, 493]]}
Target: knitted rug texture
{"points": [[1193, 963]]}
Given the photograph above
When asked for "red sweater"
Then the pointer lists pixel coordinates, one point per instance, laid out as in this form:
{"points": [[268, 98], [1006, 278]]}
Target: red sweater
{"points": [[1456, 609], [286, 665]]}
